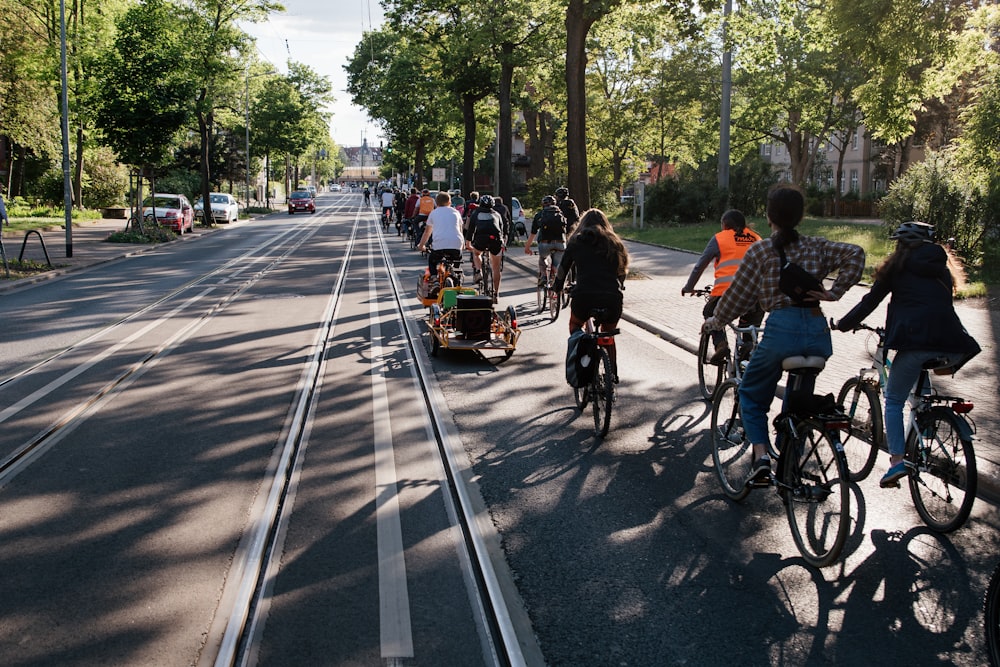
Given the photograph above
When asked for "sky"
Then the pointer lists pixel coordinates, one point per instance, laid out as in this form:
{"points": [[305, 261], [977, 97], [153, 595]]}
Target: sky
{"points": [[323, 34]]}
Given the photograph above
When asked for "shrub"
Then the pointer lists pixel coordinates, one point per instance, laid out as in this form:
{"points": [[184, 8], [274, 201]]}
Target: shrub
{"points": [[945, 192]]}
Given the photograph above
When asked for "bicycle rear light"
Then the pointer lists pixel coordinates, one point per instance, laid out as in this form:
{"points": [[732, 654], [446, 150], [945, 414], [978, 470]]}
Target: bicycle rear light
{"points": [[962, 407]]}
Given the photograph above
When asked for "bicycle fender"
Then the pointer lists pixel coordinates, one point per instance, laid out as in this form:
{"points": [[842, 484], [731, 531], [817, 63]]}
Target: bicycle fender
{"points": [[964, 429]]}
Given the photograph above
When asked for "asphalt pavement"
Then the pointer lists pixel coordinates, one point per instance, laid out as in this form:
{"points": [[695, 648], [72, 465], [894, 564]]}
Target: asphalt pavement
{"points": [[653, 301]]}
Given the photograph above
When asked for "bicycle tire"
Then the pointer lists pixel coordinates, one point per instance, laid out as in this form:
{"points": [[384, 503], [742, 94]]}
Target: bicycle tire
{"points": [[602, 393], [710, 376], [867, 435], [816, 493], [568, 285], [554, 303], [943, 486], [991, 618], [732, 453], [541, 293], [581, 396], [486, 275]]}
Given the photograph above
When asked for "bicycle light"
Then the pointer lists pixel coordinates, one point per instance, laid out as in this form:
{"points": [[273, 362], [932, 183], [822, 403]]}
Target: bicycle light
{"points": [[962, 407]]}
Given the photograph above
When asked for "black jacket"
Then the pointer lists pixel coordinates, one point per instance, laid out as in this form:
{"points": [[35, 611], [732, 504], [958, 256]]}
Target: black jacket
{"points": [[920, 315]]}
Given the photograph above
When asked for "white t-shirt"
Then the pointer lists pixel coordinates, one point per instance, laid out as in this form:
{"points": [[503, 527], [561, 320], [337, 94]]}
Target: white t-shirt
{"points": [[388, 199], [446, 228]]}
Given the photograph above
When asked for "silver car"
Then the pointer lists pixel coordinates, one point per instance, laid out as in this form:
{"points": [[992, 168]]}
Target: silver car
{"points": [[225, 209]]}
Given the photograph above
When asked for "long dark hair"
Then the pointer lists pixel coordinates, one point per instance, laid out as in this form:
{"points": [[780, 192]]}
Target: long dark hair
{"points": [[595, 229], [785, 208]]}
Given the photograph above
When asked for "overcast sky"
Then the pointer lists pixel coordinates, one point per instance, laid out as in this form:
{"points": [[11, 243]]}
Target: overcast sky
{"points": [[322, 34]]}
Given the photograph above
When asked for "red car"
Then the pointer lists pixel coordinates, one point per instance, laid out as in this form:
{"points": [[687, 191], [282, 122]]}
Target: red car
{"points": [[174, 211], [301, 200]]}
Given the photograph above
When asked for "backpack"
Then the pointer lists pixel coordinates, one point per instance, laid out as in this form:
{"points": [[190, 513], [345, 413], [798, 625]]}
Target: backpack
{"points": [[553, 224], [580, 360], [486, 224]]}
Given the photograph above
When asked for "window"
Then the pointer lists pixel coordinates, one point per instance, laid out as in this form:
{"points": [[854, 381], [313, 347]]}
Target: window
{"points": [[767, 149], [854, 140], [843, 183], [854, 180]]}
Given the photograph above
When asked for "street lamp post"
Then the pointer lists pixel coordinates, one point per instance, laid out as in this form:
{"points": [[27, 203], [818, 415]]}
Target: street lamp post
{"points": [[247, 108]]}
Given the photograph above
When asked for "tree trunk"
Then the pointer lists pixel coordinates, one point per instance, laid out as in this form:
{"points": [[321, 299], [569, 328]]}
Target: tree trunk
{"points": [[469, 145], [504, 179], [78, 169], [577, 27]]}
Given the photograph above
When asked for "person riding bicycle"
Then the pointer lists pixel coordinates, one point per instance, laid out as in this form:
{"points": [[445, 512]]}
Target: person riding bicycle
{"points": [[388, 203], [423, 209], [400, 204], [601, 262], [368, 196], [795, 326], [485, 233], [568, 208], [726, 249], [410, 210], [444, 228], [549, 226], [921, 325]]}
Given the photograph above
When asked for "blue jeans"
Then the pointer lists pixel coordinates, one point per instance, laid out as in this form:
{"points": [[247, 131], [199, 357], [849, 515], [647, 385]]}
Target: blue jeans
{"points": [[787, 333], [905, 371]]}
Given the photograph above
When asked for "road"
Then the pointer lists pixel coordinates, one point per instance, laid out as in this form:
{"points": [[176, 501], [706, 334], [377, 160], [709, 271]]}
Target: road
{"points": [[163, 388]]}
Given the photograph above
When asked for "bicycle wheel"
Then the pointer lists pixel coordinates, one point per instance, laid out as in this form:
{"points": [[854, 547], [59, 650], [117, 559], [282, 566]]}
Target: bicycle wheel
{"points": [[731, 451], [816, 493], [582, 396], [709, 375], [861, 444], [541, 293], [943, 486], [991, 618], [554, 303], [602, 393]]}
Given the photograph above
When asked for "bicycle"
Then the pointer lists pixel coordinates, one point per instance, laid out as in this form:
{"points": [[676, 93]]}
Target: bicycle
{"points": [[991, 618], [711, 375], [545, 295], [811, 476], [600, 392], [386, 219], [941, 460]]}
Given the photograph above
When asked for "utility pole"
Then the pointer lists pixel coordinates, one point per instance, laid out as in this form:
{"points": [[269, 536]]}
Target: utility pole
{"points": [[726, 112]]}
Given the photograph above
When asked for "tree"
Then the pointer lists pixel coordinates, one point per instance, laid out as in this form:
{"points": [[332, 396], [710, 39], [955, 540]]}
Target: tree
{"points": [[219, 44]]}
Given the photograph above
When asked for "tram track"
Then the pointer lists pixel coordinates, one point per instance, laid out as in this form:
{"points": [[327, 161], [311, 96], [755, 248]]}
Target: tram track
{"points": [[258, 565]]}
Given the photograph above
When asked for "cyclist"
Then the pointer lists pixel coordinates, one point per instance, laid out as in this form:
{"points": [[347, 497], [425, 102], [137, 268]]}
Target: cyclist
{"points": [[422, 209], [368, 196], [485, 233], [549, 226], [921, 325], [795, 326], [400, 204], [410, 210], [504, 213], [601, 262], [568, 208], [726, 249], [388, 203], [444, 227]]}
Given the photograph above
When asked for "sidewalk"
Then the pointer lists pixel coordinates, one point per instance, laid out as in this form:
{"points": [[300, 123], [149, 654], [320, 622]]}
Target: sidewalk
{"points": [[653, 302]]}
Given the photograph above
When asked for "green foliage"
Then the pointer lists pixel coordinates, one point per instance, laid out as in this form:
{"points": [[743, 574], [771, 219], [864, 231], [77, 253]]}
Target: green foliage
{"points": [[149, 234], [105, 181], [944, 191], [180, 181]]}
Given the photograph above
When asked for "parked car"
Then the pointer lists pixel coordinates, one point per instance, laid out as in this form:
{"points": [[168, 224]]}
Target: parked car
{"points": [[335, 187], [174, 211], [301, 200], [517, 216], [312, 190], [225, 209]]}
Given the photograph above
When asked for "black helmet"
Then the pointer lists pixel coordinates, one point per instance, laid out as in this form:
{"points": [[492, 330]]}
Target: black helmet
{"points": [[562, 192], [485, 201], [914, 233], [548, 200]]}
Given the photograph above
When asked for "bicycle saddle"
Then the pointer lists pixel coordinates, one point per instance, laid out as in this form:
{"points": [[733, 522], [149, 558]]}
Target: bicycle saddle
{"points": [[799, 362]]}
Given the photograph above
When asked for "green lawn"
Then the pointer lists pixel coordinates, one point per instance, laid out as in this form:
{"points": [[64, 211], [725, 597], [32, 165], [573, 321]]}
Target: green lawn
{"points": [[874, 238]]}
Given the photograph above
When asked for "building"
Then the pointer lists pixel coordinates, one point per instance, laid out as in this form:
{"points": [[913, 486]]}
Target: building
{"points": [[362, 163]]}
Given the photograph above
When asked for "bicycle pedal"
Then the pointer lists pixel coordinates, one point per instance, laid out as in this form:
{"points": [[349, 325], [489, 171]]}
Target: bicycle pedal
{"points": [[760, 482]]}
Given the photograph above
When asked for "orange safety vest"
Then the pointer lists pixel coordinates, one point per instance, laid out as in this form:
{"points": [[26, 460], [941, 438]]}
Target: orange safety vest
{"points": [[425, 205], [732, 246]]}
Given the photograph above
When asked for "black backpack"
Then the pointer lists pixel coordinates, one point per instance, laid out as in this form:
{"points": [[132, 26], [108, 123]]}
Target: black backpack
{"points": [[553, 224]]}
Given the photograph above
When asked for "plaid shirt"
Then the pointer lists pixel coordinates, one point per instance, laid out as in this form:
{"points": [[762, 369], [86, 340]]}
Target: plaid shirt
{"points": [[757, 278]]}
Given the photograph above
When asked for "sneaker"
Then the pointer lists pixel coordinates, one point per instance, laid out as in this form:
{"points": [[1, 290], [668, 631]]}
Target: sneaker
{"points": [[496, 299], [719, 356], [893, 475], [760, 474]]}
